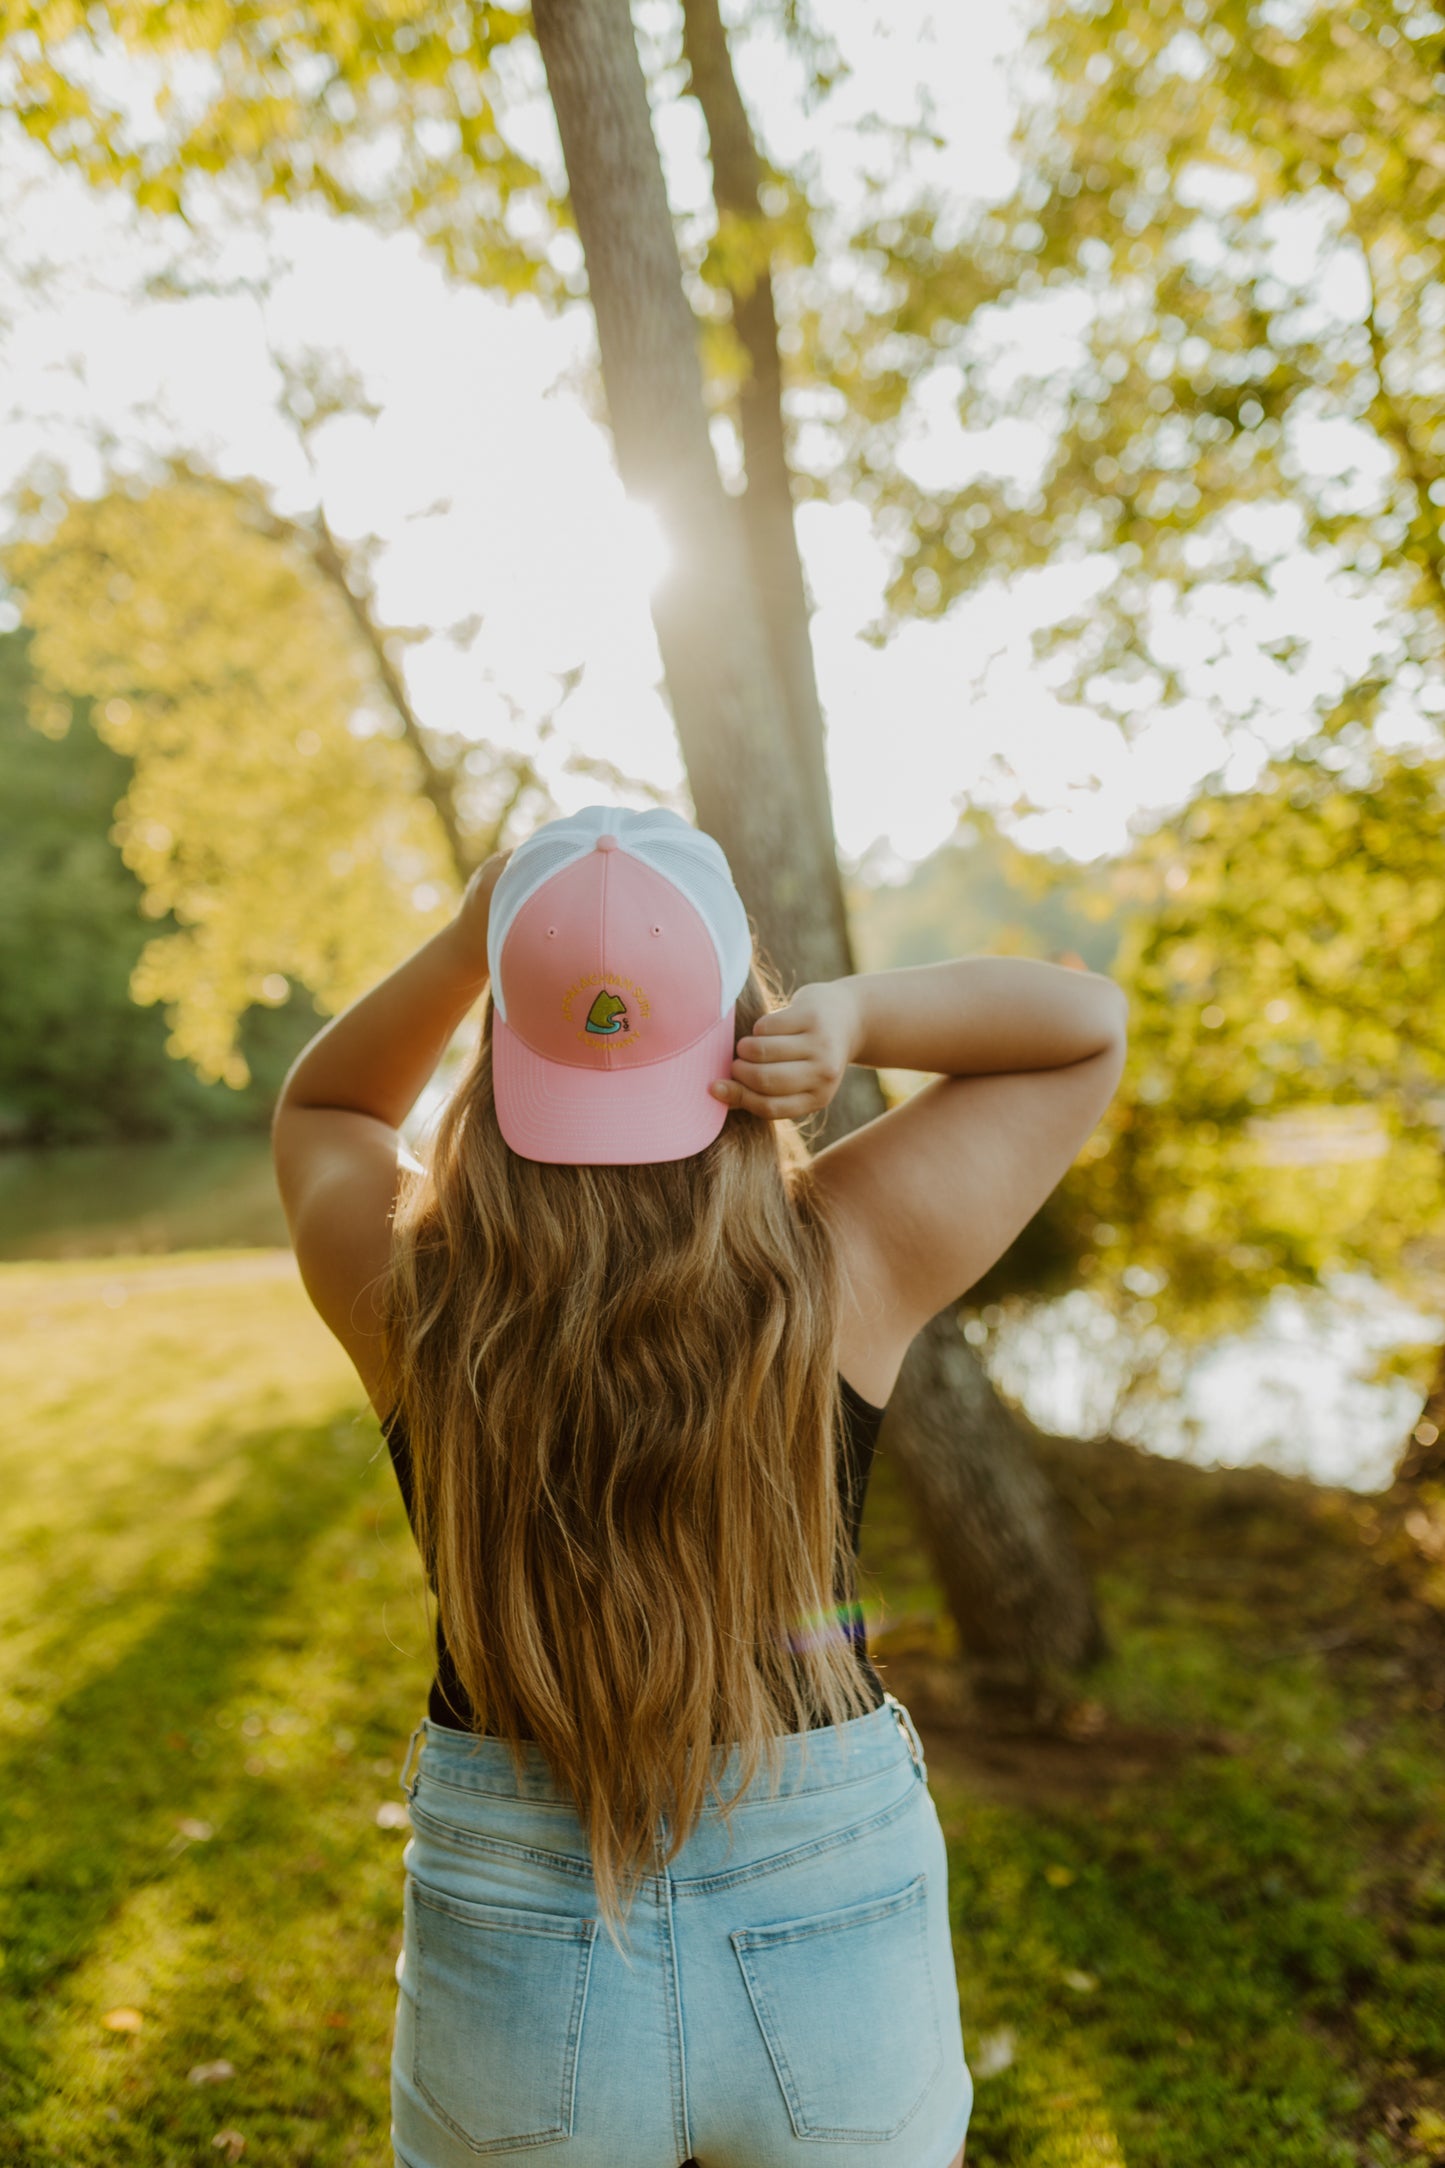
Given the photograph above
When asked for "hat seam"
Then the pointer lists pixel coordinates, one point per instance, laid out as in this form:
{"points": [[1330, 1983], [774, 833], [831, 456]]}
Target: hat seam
{"points": [[708, 927]]}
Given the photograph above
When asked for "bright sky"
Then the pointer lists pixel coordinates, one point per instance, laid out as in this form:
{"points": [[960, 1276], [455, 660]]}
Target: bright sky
{"points": [[483, 406]]}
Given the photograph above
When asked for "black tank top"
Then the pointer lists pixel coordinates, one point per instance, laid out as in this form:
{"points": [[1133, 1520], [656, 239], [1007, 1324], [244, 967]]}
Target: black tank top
{"points": [[448, 1703]]}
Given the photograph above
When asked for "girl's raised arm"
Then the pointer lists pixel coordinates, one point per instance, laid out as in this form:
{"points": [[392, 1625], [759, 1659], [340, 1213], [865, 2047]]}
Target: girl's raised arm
{"points": [[933, 1192]]}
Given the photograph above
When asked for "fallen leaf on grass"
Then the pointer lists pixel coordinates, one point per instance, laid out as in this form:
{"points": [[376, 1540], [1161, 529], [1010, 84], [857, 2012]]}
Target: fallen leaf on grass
{"points": [[992, 2052], [230, 2142], [1083, 1983], [391, 1814], [1085, 1720], [209, 2073], [1223, 1742], [337, 2020], [122, 2020]]}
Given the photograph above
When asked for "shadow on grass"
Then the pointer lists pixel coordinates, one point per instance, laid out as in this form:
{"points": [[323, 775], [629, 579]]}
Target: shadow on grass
{"points": [[87, 1807]]}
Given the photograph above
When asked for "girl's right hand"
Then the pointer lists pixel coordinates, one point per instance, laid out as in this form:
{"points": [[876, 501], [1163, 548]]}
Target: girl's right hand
{"points": [[794, 1058]]}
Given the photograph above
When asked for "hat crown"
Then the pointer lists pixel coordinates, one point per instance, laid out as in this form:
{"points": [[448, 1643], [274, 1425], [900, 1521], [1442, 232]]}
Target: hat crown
{"points": [[618, 946], [689, 859]]}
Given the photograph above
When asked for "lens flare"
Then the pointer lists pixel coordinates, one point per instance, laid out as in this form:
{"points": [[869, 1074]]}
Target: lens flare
{"points": [[845, 1622]]}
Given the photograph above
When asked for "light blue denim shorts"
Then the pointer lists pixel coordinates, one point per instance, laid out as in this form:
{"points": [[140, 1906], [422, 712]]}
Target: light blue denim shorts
{"points": [[789, 1995]]}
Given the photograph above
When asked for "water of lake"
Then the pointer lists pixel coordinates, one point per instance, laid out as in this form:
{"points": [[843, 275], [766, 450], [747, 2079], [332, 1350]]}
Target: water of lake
{"points": [[1295, 1392], [1298, 1391]]}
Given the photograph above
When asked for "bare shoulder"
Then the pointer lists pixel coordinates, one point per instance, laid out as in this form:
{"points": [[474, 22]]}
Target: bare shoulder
{"points": [[927, 1196]]}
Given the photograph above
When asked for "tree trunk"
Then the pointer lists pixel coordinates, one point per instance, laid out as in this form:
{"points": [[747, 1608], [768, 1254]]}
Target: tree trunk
{"points": [[726, 704], [1422, 1459], [989, 1516], [1007, 1566], [767, 503], [1013, 1580]]}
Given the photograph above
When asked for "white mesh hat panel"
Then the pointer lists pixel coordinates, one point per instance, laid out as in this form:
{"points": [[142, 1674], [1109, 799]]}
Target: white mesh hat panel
{"points": [[531, 863], [694, 863]]}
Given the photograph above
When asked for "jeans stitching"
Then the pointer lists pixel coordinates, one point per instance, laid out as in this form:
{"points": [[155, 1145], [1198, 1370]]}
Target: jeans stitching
{"points": [[780, 1862], [579, 2005], [777, 2052], [471, 1840], [809, 1791], [910, 1734], [676, 2048], [727, 1878], [511, 1919], [560, 2129], [762, 1938]]}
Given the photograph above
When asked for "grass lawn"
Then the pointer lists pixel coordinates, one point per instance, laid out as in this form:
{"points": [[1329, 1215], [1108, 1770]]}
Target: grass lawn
{"points": [[1204, 1925]]}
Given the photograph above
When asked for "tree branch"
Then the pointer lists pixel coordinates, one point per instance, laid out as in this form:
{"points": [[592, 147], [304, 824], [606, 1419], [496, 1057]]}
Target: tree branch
{"points": [[1394, 426], [437, 787]]}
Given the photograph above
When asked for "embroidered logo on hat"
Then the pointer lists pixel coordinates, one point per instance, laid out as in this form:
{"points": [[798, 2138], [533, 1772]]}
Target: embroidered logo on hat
{"points": [[618, 946], [608, 1013]]}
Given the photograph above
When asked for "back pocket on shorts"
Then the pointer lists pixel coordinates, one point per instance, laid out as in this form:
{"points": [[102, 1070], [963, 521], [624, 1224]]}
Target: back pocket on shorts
{"points": [[499, 1995], [846, 2006]]}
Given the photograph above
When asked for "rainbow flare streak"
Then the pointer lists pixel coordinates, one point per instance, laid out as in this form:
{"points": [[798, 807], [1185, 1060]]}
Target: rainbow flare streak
{"points": [[817, 1629]]}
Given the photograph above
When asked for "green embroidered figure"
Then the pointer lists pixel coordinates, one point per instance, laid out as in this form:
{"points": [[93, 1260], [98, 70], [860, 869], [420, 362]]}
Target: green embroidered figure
{"points": [[607, 1015]]}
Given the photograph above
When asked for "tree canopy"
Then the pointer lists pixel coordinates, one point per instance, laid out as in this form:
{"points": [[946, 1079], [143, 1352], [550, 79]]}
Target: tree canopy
{"points": [[273, 811], [1217, 292], [79, 1060], [1286, 1093]]}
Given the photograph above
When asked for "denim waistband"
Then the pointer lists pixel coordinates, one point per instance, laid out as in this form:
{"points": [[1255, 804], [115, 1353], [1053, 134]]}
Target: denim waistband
{"points": [[809, 1760]]}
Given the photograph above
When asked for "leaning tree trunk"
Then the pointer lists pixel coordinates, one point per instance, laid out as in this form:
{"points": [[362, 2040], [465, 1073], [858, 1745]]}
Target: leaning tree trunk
{"points": [[719, 673], [1008, 1567], [767, 502], [1012, 1579], [1422, 1459]]}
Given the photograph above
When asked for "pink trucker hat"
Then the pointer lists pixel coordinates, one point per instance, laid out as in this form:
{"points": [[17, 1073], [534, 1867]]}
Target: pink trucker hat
{"points": [[617, 946]]}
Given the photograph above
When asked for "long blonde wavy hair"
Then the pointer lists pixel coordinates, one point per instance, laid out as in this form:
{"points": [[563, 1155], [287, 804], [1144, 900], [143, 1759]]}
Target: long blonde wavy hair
{"points": [[620, 1391]]}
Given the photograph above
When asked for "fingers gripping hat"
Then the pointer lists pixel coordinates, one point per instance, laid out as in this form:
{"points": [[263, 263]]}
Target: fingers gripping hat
{"points": [[617, 946]]}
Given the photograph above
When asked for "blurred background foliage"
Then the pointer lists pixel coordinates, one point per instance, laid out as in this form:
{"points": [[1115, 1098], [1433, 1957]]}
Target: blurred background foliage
{"points": [[1213, 302], [1211, 308], [81, 1061]]}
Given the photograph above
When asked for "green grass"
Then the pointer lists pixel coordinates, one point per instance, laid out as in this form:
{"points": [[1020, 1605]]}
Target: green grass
{"points": [[1229, 1948], [1215, 1931]]}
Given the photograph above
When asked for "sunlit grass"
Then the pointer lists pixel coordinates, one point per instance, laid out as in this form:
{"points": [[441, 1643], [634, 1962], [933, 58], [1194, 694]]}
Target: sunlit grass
{"points": [[212, 1651], [1241, 1956], [215, 1620]]}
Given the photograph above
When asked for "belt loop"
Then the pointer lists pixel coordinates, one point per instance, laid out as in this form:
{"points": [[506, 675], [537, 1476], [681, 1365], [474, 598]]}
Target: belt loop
{"points": [[910, 1733], [410, 1790]]}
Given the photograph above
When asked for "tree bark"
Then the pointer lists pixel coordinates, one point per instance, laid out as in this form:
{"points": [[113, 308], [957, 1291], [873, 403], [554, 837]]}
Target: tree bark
{"points": [[1007, 1565], [767, 503], [730, 717], [1012, 1579], [1422, 1457]]}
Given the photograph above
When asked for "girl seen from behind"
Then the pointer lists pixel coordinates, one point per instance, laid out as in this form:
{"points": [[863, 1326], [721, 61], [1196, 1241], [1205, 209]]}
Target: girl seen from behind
{"points": [[676, 1888]]}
